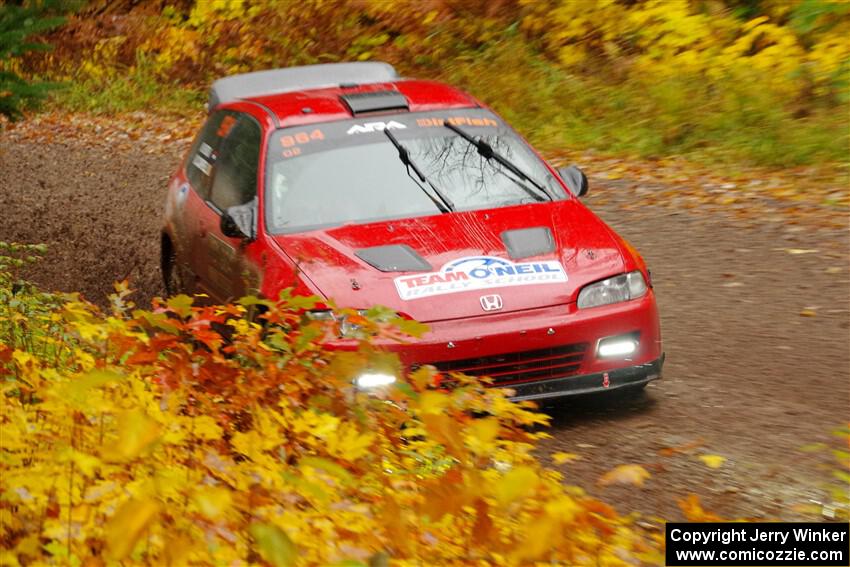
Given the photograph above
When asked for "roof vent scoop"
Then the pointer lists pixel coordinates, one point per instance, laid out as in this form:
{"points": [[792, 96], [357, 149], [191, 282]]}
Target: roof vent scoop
{"points": [[527, 242], [290, 79], [394, 258], [379, 101]]}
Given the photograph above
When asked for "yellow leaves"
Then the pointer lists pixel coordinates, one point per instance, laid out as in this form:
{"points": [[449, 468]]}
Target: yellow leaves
{"points": [[349, 443], [433, 402], [516, 484], [331, 468], [136, 435], [564, 508], [444, 429], [274, 545], [625, 474], [694, 512], [541, 534], [430, 17], [185, 454], [560, 458], [249, 444], [204, 427], [755, 22], [212, 501], [712, 461], [79, 389], [482, 434], [177, 550], [85, 463], [316, 423], [128, 525]]}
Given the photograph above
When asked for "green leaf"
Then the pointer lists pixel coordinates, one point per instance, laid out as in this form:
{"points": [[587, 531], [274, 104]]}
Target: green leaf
{"points": [[406, 389], [410, 327], [274, 545], [254, 300], [329, 467], [157, 320], [180, 304]]}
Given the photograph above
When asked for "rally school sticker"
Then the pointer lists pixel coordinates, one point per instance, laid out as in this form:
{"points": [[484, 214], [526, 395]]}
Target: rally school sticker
{"points": [[478, 272]]}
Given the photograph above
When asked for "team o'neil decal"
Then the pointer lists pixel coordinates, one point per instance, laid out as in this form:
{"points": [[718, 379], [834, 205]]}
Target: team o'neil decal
{"points": [[479, 272]]}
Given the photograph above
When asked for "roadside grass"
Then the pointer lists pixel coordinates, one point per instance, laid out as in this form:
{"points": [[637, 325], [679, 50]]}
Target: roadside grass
{"points": [[739, 125], [139, 88]]}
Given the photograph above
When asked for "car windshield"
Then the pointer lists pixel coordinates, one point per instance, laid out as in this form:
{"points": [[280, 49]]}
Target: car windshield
{"points": [[350, 172]]}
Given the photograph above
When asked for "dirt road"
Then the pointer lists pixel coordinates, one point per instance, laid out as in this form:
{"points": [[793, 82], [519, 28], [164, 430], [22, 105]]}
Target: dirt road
{"points": [[747, 378]]}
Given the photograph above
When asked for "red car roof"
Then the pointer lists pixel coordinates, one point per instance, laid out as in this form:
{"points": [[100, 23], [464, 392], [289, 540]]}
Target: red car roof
{"points": [[324, 105]]}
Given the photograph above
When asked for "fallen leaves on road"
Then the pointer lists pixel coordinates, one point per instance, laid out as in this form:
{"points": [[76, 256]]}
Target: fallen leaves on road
{"points": [[140, 132], [684, 448], [560, 458], [694, 512], [712, 461], [814, 195], [625, 474]]}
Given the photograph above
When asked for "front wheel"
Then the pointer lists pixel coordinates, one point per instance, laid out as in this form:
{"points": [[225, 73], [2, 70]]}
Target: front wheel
{"points": [[172, 276]]}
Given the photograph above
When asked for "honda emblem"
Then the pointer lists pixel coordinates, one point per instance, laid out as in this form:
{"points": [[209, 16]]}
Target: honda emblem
{"points": [[491, 302]]}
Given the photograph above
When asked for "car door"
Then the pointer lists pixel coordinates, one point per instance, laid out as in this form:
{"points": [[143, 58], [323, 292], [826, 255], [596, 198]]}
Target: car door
{"points": [[226, 272], [195, 215]]}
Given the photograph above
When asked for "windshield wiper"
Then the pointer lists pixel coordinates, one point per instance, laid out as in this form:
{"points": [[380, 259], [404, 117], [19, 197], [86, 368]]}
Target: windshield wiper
{"points": [[443, 203], [487, 152]]}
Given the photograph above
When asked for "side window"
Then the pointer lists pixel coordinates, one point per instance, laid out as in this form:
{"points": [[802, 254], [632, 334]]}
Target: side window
{"points": [[235, 177], [202, 158]]}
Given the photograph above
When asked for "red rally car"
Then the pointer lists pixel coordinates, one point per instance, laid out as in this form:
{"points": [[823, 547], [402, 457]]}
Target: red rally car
{"points": [[348, 182]]}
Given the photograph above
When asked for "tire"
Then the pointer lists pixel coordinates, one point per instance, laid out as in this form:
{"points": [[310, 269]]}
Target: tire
{"points": [[172, 276]]}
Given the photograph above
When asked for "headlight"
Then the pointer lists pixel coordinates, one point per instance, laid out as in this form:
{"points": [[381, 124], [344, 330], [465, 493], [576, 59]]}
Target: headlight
{"points": [[321, 315], [619, 346], [347, 329], [374, 380], [613, 290]]}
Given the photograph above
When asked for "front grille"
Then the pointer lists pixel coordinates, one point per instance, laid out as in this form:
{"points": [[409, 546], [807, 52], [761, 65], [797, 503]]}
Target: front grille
{"points": [[514, 367]]}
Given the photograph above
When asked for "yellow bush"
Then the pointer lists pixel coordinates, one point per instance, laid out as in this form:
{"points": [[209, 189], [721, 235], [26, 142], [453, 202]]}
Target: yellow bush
{"points": [[146, 437], [723, 80]]}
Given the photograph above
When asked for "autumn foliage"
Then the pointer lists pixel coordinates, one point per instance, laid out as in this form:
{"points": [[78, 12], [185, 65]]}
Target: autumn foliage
{"points": [[188, 434], [792, 45], [765, 81]]}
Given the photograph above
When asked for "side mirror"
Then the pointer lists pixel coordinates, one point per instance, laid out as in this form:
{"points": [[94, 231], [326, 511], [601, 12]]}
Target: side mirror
{"points": [[575, 179], [238, 222]]}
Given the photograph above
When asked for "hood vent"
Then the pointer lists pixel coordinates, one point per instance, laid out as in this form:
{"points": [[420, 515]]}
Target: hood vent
{"points": [[394, 258], [379, 101], [527, 242]]}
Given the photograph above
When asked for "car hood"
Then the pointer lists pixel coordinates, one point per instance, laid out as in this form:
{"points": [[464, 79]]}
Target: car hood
{"points": [[451, 265]]}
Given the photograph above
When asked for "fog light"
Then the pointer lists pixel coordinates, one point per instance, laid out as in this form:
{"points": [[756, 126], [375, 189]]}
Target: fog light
{"points": [[616, 346], [374, 380]]}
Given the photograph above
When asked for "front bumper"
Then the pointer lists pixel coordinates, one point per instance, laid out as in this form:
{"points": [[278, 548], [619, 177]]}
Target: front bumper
{"points": [[638, 375], [542, 353]]}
